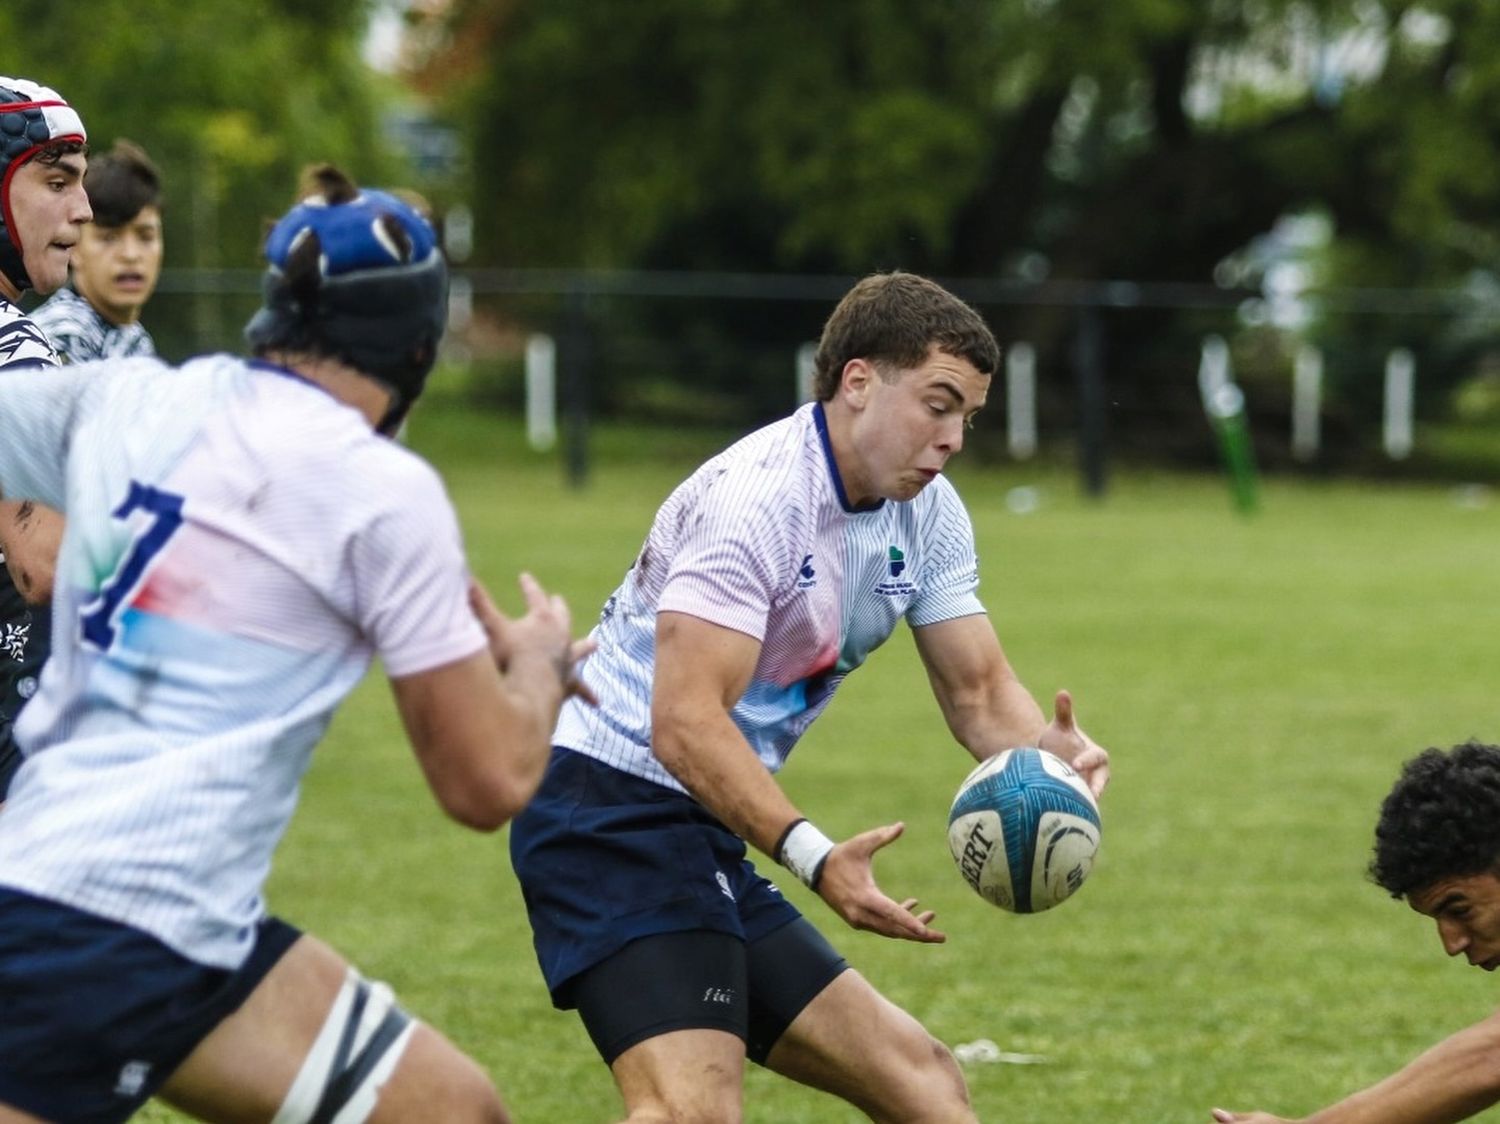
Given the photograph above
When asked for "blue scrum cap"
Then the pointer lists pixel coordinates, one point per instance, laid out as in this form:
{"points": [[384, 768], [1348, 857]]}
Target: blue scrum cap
{"points": [[31, 117], [377, 300]]}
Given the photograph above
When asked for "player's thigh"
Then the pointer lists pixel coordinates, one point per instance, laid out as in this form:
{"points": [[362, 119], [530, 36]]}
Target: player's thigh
{"points": [[683, 1075], [10, 1115], [855, 1043], [668, 1014], [312, 1023]]}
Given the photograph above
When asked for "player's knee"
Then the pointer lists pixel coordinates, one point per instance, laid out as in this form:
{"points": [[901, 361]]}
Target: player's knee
{"points": [[950, 1088], [928, 1086]]}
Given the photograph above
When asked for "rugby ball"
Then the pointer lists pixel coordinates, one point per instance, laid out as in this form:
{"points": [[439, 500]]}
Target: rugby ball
{"points": [[1024, 830]]}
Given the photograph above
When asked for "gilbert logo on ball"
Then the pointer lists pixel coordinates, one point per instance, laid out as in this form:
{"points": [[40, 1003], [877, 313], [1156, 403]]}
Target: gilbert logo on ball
{"points": [[1024, 830]]}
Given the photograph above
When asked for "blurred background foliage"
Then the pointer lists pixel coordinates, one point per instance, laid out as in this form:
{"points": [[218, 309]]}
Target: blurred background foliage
{"points": [[1277, 171]]}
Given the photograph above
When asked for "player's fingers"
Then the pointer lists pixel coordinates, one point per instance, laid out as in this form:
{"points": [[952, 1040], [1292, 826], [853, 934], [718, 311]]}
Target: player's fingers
{"points": [[481, 601], [902, 925], [1062, 710], [1093, 765], [868, 842], [922, 934], [925, 916], [1224, 1116], [531, 589], [1098, 781]]}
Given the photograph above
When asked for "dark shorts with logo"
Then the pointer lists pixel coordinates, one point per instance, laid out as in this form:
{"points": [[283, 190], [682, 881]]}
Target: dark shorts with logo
{"points": [[97, 1015], [607, 860]]}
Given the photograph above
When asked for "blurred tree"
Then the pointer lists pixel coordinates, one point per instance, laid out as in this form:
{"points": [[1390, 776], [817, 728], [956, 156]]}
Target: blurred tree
{"points": [[1076, 139]]}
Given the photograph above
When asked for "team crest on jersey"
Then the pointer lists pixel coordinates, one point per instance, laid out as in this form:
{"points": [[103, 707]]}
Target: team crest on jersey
{"points": [[807, 577], [896, 586]]}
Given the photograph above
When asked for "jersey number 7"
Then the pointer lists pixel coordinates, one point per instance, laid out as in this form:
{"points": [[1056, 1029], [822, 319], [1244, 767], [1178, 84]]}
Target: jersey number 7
{"points": [[99, 614]]}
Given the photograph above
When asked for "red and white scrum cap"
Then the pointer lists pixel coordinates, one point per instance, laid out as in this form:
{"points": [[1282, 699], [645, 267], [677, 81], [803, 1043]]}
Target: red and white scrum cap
{"points": [[31, 118]]}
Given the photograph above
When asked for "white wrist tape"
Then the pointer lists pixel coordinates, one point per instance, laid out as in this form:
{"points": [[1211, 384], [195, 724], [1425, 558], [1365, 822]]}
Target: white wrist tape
{"points": [[803, 851]]}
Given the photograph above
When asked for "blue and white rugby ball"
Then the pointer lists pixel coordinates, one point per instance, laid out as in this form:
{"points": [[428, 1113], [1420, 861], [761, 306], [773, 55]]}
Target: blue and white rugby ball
{"points": [[1024, 830]]}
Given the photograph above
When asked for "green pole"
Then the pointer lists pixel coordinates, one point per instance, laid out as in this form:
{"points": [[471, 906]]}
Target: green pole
{"points": [[1226, 410]]}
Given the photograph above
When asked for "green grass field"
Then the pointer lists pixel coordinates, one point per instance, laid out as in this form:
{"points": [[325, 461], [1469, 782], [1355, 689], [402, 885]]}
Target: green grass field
{"points": [[1258, 682]]}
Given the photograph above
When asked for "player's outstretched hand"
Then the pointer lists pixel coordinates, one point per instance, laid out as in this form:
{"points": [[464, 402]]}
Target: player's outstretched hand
{"points": [[848, 886], [1066, 739], [1224, 1116], [545, 629]]}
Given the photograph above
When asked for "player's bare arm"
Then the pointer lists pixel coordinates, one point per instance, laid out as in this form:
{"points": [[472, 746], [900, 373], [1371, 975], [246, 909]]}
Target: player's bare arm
{"points": [[702, 669], [30, 534], [1454, 1080], [986, 706], [482, 731]]}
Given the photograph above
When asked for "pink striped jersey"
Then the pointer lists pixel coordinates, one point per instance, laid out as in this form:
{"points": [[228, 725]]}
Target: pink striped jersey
{"points": [[238, 545], [761, 539]]}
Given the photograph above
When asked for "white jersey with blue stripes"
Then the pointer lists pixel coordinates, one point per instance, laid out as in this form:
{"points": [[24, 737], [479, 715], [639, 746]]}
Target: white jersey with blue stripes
{"points": [[238, 545], [762, 540]]}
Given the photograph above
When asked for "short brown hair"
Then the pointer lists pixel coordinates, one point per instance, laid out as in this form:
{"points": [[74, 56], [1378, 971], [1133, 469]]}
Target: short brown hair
{"points": [[895, 320]]}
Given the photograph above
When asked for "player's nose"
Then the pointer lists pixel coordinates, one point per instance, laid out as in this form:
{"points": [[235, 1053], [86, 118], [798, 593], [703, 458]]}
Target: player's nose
{"points": [[79, 210], [1453, 937], [951, 436]]}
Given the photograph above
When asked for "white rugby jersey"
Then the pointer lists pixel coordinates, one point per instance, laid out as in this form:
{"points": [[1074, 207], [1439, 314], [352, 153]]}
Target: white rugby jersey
{"points": [[238, 545], [761, 539], [22, 343], [78, 333]]}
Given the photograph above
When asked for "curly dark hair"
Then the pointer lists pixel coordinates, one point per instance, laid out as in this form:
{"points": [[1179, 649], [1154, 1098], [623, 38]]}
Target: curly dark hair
{"points": [[1440, 820]]}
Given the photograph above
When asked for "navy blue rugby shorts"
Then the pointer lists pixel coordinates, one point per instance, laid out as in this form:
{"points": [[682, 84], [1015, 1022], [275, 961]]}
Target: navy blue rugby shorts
{"points": [[605, 857], [97, 1015]]}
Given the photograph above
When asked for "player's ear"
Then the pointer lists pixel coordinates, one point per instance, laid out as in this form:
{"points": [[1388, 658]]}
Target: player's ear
{"points": [[855, 381]]}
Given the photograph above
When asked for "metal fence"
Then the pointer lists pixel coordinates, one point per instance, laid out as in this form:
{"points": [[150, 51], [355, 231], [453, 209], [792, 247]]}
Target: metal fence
{"points": [[1097, 372]]}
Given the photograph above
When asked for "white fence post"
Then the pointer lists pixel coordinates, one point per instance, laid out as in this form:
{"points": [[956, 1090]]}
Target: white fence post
{"points": [[1400, 381], [805, 356], [1307, 402], [541, 392], [1020, 400]]}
